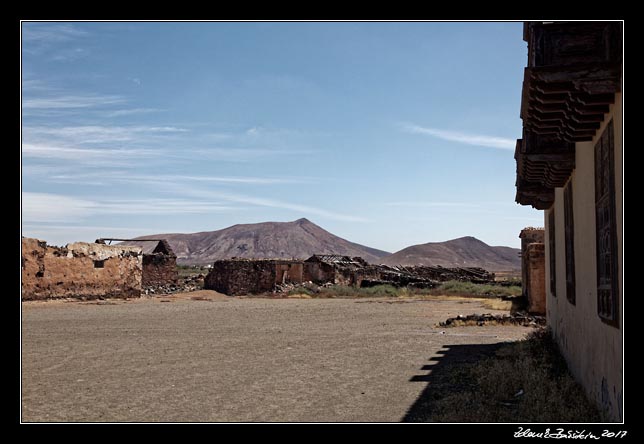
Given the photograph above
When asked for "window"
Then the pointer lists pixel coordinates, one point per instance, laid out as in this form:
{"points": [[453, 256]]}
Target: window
{"points": [[569, 239], [99, 264], [551, 251], [606, 226]]}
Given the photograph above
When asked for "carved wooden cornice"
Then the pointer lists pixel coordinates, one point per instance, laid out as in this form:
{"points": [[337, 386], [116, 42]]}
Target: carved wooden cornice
{"points": [[573, 73]]}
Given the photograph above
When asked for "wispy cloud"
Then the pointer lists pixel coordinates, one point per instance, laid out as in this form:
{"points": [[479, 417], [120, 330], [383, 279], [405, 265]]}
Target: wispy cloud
{"points": [[57, 42], [70, 101], [82, 154], [419, 204], [466, 138], [245, 154], [95, 133], [272, 203], [160, 206], [111, 177], [50, 32], [132, 111], [48, 207], [30, 84], [69, 55], [45, 207]]}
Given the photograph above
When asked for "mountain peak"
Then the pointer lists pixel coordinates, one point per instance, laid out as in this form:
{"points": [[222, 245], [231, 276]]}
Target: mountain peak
{"points": [[468, 239], [466, 251], [300, 239]]}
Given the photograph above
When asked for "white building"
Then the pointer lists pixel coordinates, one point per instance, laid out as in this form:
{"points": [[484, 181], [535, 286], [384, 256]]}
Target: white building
{"points": [[570, 164]]}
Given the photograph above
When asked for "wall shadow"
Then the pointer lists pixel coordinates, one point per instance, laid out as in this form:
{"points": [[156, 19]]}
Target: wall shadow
{"points": [[440, 378]]}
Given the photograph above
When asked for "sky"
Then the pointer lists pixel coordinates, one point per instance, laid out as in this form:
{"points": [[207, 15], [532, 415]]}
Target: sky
{"points": [[388, 134]]}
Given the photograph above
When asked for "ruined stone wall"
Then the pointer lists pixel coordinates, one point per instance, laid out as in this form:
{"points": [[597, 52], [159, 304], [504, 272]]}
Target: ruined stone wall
{"points": [[318, 272], [239, 277], [159, 269], [535, 284], [80, 270], [252, 276], [289, 272]]}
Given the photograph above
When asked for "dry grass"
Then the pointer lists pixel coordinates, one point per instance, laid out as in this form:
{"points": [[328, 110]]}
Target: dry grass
{"points": [[464, 288], [450, 289], [497, 304], [526, 381]]}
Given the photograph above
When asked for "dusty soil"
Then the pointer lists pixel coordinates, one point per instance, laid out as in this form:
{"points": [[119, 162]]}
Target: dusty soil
{"points": [[205, 357]]}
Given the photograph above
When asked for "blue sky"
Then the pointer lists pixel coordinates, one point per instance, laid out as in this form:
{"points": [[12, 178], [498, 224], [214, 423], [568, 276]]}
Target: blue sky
{"points": [[387, 134]]}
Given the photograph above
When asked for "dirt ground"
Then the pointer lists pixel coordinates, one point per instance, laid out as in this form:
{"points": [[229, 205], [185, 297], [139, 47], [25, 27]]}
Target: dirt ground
{"points": [[205, 357]]}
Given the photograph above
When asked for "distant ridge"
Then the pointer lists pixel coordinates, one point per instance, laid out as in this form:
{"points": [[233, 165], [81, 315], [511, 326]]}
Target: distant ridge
{"points": [[298, 239], [465, 251]]}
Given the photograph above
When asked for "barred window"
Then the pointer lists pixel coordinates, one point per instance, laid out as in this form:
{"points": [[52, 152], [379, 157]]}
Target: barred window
{"points": [[569, 240], [606, 226], [551, 252]]}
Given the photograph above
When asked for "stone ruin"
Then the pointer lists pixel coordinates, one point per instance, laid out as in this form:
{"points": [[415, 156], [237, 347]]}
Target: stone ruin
{"points": [[80, 270], [160, 266], [253, 276], [533, 269], [94, 270]]}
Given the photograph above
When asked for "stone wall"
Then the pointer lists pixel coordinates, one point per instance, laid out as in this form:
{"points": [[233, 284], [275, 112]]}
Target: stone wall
{"points": [[160, 266], [239, 276], [533, 264], [79, 270], [253, 276], [535, 285], [318, 272]]}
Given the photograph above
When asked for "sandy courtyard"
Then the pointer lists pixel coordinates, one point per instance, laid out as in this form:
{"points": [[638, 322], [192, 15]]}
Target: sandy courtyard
{"points": [[177, 359]]}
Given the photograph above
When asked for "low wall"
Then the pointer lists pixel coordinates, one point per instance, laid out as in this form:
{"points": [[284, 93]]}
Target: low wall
{"points": [[159, 269], [239, 277], [79, 270]]}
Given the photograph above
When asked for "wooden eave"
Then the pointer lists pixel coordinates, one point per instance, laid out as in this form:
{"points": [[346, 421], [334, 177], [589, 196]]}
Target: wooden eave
{"points": [[573, 73]]}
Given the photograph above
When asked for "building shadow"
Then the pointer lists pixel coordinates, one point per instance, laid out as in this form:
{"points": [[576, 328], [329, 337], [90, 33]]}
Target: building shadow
{"points": [[441, 378]]}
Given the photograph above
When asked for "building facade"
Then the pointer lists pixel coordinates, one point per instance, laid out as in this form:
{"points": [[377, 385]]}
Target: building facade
{"points": [[79, 270], [570, 164]]}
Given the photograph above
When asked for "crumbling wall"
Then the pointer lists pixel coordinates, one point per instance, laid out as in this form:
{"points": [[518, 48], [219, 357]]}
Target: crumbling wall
{"points": [[533, 270], [318, 272], [79, 270], [535, 285], [243, 276], [252, 276], [160, 266], [528, 235]]}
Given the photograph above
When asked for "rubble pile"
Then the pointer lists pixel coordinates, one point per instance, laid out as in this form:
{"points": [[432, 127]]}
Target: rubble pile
{"points": [[293, 286], [523, 319], [183, 285], [442, 274]]}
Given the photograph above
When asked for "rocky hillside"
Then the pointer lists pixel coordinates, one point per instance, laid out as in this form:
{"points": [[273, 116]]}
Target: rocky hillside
{"points": [[298, 239], [462, 252]]}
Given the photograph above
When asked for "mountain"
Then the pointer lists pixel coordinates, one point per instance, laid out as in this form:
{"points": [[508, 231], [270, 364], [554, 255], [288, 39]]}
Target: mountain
{"points": [[462, 252], [298, 239]]}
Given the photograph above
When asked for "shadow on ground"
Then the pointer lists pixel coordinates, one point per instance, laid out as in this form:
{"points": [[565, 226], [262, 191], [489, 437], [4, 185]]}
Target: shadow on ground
{"points": [[442, 376]]}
